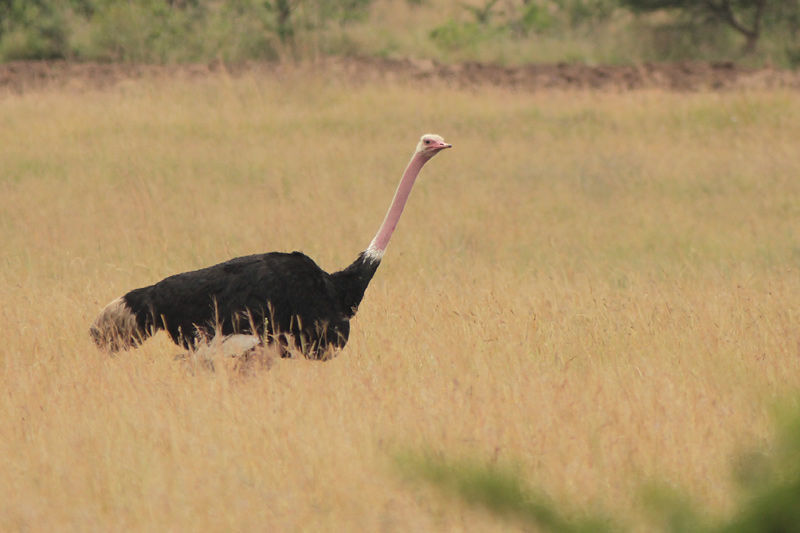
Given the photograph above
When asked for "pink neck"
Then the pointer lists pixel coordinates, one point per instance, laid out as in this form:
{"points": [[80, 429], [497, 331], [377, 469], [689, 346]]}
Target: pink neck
{"points": [[381, 240]]}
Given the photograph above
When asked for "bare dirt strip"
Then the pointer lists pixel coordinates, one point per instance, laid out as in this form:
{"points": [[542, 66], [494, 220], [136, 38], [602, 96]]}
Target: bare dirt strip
{"points": [[686, 76]]}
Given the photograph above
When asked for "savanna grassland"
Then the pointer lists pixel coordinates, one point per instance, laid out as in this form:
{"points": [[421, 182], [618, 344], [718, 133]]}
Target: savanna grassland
{"points": [[599, 289]]}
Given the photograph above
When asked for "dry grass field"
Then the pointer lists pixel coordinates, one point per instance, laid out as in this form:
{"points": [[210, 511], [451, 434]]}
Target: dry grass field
{"points": [[600, 289]]}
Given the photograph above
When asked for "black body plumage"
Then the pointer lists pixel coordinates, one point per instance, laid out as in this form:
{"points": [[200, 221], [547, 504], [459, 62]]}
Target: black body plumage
{"points": [[283, 297]]}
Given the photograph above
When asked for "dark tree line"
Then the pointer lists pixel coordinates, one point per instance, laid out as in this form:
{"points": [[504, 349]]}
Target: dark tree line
{"points": [[165, 30], [177, 30], [746, 17], [751, 19]]}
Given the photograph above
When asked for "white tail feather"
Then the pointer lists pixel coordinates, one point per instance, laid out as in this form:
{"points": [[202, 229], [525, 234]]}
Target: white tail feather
{"points": [[115, 328]]}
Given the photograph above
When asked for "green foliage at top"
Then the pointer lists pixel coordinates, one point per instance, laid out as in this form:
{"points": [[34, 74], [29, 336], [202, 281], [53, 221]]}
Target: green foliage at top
{"points": [[770, 499], [619, 31], [519, 20], [486, 28], [165, 30], [32, 29], [749, 18]]}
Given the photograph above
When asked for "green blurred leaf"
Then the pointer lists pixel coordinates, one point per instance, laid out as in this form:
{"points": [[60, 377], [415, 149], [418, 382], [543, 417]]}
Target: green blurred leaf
{"points": [[502, 492]]}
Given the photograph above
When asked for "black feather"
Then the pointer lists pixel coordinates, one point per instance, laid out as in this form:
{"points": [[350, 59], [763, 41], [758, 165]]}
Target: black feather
{"points": [[271, 295]]}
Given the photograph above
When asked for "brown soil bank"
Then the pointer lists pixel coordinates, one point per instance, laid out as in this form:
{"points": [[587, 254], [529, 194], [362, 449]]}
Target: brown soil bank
{"points": [[687, 76]]}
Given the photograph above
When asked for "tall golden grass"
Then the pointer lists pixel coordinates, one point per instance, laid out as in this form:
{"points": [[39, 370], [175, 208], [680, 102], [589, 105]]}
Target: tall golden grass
{"points": [[600, 289]]}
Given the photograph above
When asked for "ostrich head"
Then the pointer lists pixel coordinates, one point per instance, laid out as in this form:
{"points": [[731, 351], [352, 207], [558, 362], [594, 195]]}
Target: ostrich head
{"points": [[431, 144]]}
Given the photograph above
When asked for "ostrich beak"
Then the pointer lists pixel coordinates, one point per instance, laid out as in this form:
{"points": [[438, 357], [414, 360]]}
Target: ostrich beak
{"points": [[442, 146]]}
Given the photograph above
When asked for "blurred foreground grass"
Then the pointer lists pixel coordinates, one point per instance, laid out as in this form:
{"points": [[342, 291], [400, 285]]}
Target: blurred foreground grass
{"points": [[769, 499]]}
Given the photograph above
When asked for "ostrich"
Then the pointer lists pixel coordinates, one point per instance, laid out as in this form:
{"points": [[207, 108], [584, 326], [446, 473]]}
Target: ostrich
{"points": [[275, 296]]}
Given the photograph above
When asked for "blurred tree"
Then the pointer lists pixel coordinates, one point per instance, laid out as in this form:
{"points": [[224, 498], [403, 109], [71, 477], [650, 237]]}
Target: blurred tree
{"points": [[482, 14], [587, 11], [32, 29], [744, 16], [283, 18]]}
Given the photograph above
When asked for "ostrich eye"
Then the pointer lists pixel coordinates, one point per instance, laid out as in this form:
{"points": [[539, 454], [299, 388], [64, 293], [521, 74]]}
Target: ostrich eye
{"points": [[427, 141]]}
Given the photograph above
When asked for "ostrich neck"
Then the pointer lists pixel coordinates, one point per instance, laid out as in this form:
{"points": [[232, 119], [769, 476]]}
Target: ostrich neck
{"points": [[378, 245]]}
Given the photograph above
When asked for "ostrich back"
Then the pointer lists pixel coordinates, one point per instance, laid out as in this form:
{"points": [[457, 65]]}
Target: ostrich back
{"points": [[270, 294]]}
